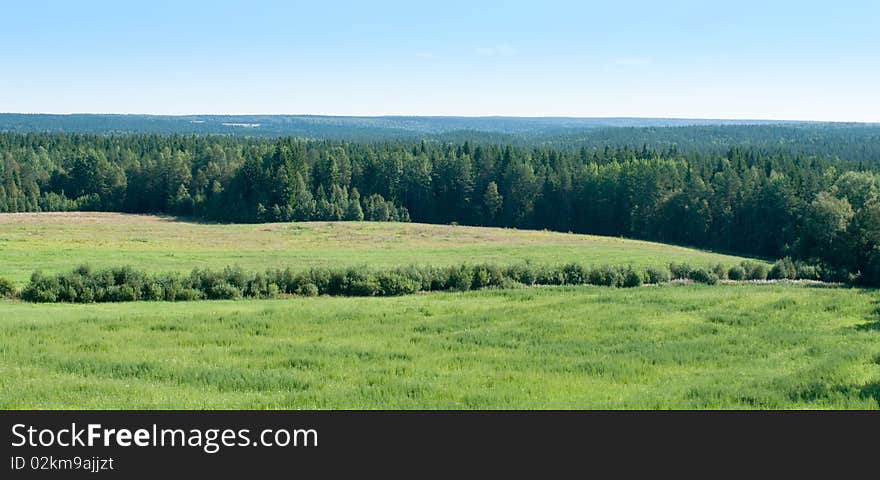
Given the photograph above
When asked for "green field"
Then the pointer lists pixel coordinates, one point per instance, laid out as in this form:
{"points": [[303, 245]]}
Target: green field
{"points": [[736, 346], [56, 242], [669, 346]]}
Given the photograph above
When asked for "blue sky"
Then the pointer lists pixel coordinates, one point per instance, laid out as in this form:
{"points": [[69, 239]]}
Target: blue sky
{"points": [[744, 59]]}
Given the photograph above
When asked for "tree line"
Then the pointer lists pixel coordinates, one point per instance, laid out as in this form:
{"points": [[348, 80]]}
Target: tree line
{"points": [[748, 200]]}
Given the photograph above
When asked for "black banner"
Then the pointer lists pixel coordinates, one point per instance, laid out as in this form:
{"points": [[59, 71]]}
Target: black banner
{"points": [[242, 443]]}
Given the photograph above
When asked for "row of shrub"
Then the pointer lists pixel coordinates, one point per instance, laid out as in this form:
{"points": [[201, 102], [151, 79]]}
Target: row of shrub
{"points": [[85, 285], [783, 269]]}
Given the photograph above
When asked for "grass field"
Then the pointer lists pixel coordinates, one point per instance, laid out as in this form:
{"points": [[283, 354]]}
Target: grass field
{"points": [[695, 346], [57, 242], [671, 346]]}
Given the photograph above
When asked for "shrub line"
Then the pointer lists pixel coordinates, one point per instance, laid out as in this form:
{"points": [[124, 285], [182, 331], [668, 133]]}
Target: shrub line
{"points": [[123, 284]]}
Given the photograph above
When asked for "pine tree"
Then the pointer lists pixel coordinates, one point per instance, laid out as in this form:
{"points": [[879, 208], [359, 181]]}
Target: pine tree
{"points": [[492, 203], [354, 212], [303, 202]]}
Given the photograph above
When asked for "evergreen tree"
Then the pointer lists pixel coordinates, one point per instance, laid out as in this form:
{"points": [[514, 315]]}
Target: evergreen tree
{"points": [[492, 203], [354, 212]]}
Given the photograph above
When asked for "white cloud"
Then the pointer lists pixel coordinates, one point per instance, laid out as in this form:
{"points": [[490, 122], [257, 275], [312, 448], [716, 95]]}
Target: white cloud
{"points": [[426, 55], [496, 51]]}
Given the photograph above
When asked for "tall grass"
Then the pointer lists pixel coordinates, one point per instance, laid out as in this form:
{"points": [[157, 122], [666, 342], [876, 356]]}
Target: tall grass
{"points": [[674, 346]]}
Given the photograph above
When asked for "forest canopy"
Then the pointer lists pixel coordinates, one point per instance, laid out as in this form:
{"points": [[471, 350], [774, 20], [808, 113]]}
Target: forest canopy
{"points": [[819, 204]]}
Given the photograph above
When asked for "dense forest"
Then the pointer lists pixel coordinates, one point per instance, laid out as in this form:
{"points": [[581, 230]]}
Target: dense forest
{"points": [[819, 206]]}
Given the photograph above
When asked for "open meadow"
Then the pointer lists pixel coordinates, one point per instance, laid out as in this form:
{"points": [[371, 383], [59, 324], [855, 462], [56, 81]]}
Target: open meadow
{"points": [[676, 346], [783, 345], [57, 242]]}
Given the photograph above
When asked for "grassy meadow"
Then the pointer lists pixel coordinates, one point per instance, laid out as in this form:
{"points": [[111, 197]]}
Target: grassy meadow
{"points": [[58, 242], [674, 346], [782, 345]]}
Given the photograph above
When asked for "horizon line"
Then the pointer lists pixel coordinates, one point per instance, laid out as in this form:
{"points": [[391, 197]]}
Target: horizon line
{"points": [[524, 117]]}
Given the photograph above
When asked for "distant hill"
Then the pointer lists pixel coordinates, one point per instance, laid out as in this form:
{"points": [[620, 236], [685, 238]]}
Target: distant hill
{"points": [[329, 127], [852, 141]]}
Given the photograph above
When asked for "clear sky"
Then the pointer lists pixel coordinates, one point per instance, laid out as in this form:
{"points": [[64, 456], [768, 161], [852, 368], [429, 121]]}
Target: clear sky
{"points": [[765, 59]]}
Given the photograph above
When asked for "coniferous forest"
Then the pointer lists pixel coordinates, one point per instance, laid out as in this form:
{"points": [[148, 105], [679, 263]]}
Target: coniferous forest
{"points": [[817, 201]]}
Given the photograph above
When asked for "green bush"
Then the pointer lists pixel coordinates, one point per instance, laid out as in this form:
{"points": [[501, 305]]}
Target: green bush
{"points": [[223, 291], [736, 272], [439, 279], [121, 293], [606, 275], [680, 271], [719, 271], [703, 275], [321, 278], [806, 271], [360, 283], [171, 285], [783, 269], [459, 278], [41, 289], [575, 274], [658, 275], [396, 283], [86, 296], [337, 283], [509, 283], [7, 289], [129, 277], [287, 280], [549, 276], [522, 273], [236, 277], [99, 294], [188, 294], [496, 276], [596, 276], [632, 278], [481, 277], [755, 270], [124, 284], [70, 287], [423, 276], [307, 290], [153, 291], [258, 286]]}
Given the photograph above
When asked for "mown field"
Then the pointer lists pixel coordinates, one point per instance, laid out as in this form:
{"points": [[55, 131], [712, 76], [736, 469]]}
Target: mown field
{"points": [[56, 242], [674, 346]]}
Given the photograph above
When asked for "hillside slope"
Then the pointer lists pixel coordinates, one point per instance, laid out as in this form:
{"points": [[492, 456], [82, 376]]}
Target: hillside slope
{"points": [[55, 242]]}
